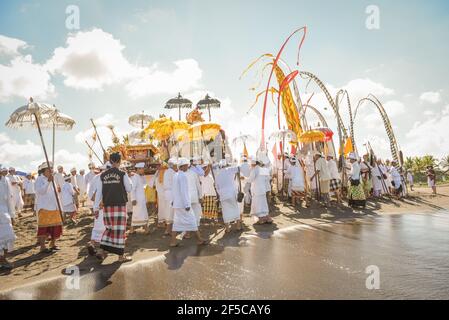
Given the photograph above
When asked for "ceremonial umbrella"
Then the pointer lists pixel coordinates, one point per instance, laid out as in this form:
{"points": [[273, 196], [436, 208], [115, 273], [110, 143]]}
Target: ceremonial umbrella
{"points": [[140, 120], [164, 128], [60, 121], [243, 138], [208, 103], [200, 131], [32, 115], [178, 102], [312, 136]]}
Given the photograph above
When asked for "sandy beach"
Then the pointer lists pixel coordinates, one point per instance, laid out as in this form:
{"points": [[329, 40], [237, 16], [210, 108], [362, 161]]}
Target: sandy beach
{"points": [[30, 267]]}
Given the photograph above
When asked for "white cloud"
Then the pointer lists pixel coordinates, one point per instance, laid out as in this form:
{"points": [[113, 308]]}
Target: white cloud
{"points": [[186, 76], [431, 97], [23, 78], [428, 137], [28, 156], [13, 152], [394, 108], [91, 60], [11, 46], [94, 59]]}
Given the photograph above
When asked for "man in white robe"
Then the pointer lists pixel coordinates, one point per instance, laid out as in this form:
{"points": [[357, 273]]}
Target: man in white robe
{"points": [[29, 193], [81, 182], [16, 190], [195, 192], [7, 215], [227, 192], [295, 174], [59, 178], [259, 204], [245, 170], [184, 219], [140, 212], [162, 204], [168, 193], [377, 180], [88, 180]]}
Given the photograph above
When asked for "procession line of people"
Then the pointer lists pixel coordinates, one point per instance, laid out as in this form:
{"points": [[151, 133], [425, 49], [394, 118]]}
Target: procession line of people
{"points": [[183, 193]]}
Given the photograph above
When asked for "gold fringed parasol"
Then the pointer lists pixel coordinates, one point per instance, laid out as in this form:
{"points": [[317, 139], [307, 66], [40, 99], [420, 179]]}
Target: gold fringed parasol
{"points": [[312, 136]]}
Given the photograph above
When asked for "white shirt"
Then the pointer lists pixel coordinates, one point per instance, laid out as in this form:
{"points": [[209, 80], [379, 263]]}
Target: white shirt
{"points": [[138, 188], [168, 183], [67, 194], [245, 169], [333, 169], [224, 180], [88, 178], [296, 174], [355, 171], [46, 198], [257, 180], [321, 166], [207, 185], [28, 186], [59, 179], [194, 184], [81, 182], [181, 199], [5, 197]]}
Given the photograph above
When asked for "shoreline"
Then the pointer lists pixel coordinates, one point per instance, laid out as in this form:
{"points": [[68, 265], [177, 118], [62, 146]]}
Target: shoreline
{"points": [[31, 269]]}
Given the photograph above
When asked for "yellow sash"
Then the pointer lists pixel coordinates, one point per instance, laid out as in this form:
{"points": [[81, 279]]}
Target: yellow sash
{"points": [[49, 218]]}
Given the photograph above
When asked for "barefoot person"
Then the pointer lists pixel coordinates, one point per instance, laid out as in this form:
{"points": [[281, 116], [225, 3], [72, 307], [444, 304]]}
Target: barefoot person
{"points": [[431, 179], [112, 194], [28, 192], [295, 174], [7, 214], [259, 204], [335, 182], [184, 219], [16, 183], [227, 192], [168, 193], [356, 194], [68, 200], [140, 212], [48, 216]]}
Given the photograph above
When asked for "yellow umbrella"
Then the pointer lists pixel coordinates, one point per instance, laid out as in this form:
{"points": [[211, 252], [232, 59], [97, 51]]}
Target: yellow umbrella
{"points": [[311, 136], [164, 128], [200, 131]]}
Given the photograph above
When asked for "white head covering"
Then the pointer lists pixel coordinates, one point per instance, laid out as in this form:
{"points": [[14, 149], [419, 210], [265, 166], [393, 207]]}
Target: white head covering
{"points": [[222, 163], [60, 167], [172, 161], [352, 156], [73, 169], [253, 160], [44, 165], [195, 160], [183, 162], [11, 168], [91, 165], [3, 169], [140, 165]]}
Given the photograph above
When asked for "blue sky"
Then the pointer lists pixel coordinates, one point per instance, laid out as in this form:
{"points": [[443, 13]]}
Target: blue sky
{"points": [[404, 62]]}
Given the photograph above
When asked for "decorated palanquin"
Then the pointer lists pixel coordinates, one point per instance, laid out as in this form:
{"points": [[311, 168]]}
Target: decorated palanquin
{"points": [[134, 154]]}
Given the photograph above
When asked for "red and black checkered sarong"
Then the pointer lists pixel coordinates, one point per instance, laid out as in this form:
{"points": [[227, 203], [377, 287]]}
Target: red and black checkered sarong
{"points": [[113, 239]]}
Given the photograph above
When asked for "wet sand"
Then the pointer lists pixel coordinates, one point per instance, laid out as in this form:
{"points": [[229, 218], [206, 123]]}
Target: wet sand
{"points": [[331, 249]]}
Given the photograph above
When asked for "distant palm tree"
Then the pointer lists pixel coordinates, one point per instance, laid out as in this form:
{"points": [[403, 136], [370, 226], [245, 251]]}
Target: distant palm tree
{"points": [[429, 160], [408, 164], [444, 163], [418, 165]]}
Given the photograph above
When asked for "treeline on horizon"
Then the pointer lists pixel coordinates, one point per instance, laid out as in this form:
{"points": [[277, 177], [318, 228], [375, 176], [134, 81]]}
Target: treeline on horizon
{"points": [[418, 166]]}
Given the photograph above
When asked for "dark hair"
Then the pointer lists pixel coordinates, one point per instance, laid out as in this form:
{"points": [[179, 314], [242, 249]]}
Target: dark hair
{"points": [[115, 157]]}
